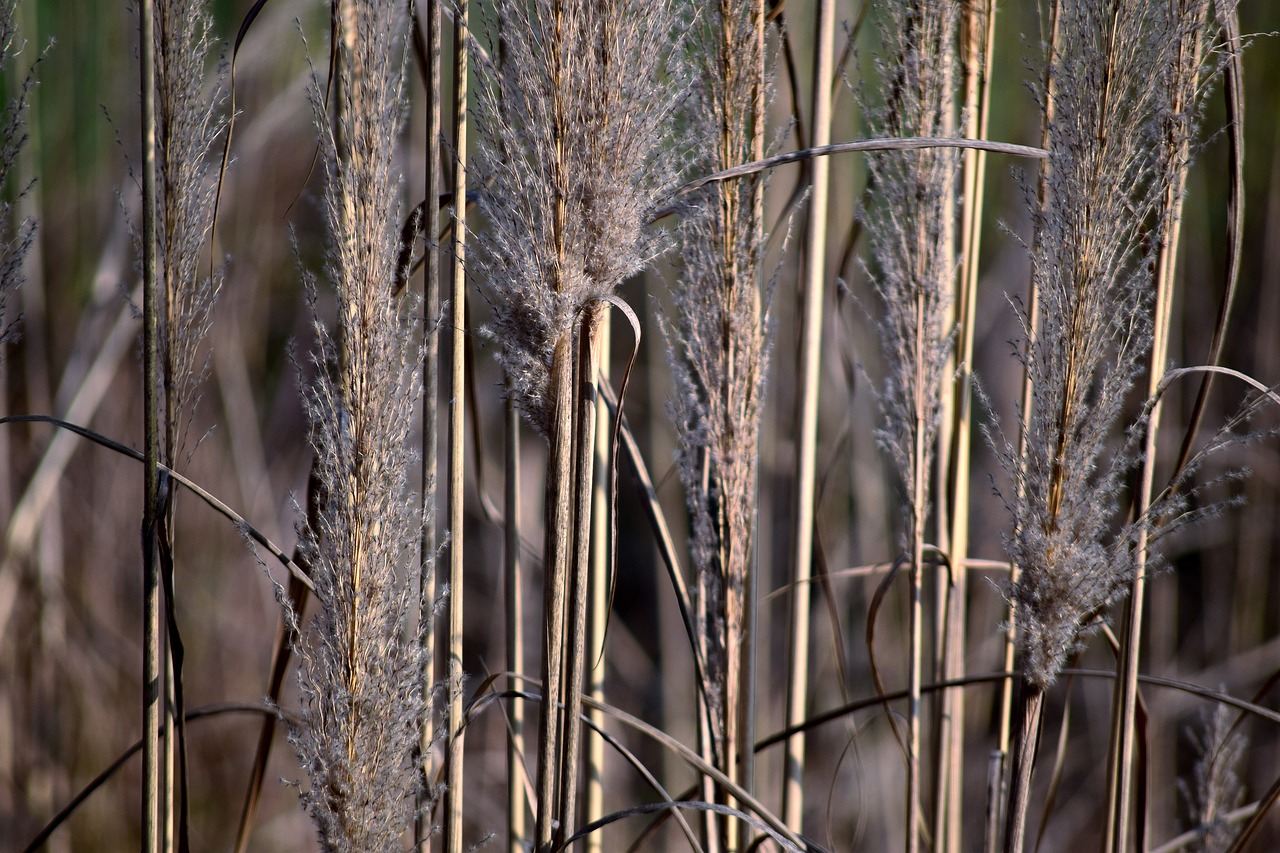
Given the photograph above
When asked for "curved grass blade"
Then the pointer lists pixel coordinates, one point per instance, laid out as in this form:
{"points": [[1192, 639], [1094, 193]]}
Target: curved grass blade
{"points": [[244, 526], [102, 778]]}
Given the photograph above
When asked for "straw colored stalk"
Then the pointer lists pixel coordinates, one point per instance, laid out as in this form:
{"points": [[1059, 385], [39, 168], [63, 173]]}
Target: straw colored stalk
{"points": [[1190, 26], [814, 289], [978, 34], [457, 435], [911, 226]]}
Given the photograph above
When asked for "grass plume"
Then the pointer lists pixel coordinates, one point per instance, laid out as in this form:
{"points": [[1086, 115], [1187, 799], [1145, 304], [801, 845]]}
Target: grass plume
{"points": [[1107, 175], [574, 116], [359, 671], [719, 354]]}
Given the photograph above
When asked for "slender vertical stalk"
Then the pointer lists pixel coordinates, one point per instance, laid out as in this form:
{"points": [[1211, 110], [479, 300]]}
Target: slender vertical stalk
{"points": [[457, 435], [559, 513], [584, 403], [598, 607], [430, 416], [807, 422], [1024, 758], [978, 39], [151, 677], [1120, 765], [915, 627], [750, 616], [1004, 735], [517, 826]]}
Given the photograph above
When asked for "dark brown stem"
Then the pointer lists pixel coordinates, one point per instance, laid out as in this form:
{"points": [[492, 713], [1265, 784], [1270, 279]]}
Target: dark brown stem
{"points": [[1027, 739]]}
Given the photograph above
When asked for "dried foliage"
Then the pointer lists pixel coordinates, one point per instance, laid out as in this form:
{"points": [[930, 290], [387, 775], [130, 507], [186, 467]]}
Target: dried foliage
{"points": [[589, 114]]}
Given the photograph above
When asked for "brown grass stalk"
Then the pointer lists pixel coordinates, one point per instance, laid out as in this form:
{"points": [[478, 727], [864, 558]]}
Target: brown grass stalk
{"points": [[151, 694], [978, 36], [719, 357], [1190, 23]]}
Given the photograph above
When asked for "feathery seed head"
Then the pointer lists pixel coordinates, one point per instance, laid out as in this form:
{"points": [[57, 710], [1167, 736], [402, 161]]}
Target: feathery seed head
{"points": [[911, 227], [1108, 171], [573, 113], [359, 673]]}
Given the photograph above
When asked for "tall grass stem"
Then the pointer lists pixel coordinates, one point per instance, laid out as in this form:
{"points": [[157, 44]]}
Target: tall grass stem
{"points": [[457, 435], [814, 289], [151, 676]]}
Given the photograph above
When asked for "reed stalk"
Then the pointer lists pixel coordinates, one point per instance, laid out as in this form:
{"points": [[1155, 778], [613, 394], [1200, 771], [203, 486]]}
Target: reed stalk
{"points": [[978, 37], [814, 290], [457, 435], [719, 358], [1028, 400], [429, 467], [1190, 20], [151, 695], [517, 825], [598, 604]]}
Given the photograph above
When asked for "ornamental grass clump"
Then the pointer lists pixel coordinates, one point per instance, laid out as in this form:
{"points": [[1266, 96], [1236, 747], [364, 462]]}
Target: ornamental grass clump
{"points": [[359, 674]]}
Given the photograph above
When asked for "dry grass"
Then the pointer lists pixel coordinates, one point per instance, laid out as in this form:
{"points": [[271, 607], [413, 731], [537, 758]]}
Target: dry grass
{"points": [[800, 643]]}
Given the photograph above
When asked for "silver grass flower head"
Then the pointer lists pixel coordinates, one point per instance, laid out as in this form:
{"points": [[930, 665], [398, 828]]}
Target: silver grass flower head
{"points": [[574, 112], [911, 228], [718, 333], [190, 120], [359, 673], [1107, 171]]}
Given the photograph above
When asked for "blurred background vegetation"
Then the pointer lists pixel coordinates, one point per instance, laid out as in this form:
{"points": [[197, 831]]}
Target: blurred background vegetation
{"points": [[70, 594]]}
